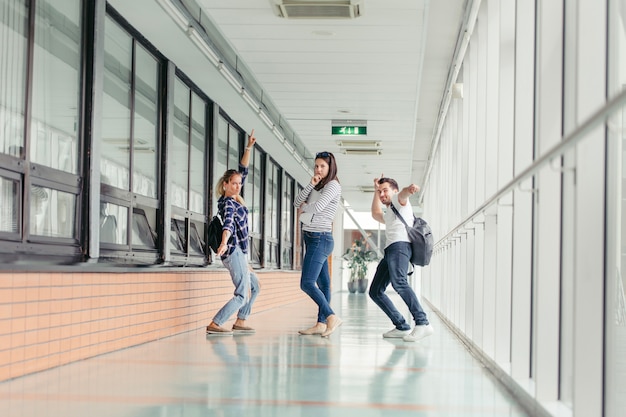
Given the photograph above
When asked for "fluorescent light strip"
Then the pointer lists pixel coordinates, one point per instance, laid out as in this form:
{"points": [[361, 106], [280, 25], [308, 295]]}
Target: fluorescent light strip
{"points": [[288, 146], [230, 78], [248, 98], [279, 135], [197, 39], [174, 13], [266, 119]]}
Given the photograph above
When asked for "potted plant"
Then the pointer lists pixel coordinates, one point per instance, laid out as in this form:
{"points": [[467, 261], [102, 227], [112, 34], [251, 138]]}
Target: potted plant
{"points": [[358, 256]]}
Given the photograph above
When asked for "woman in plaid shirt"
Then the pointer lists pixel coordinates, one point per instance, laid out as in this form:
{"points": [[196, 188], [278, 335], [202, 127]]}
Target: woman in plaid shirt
{"points": [[234, 248]]}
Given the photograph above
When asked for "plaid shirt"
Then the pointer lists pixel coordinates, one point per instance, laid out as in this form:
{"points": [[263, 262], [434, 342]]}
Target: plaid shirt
{"points": [[235, 217]]}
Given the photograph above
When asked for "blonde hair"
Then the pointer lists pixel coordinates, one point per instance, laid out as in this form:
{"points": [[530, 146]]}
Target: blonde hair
{"points": [[226, 178]]}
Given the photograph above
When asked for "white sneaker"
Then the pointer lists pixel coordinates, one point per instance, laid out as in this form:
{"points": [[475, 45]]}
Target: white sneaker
{"points": [[419, 332], [395, 334]]}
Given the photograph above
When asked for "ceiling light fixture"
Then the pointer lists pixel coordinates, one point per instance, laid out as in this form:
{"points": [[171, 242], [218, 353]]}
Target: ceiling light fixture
{"points": [[230, 77], [362, 152], [266, 119], [279, 135], [248, 99], [202, 44], [175, 13]]}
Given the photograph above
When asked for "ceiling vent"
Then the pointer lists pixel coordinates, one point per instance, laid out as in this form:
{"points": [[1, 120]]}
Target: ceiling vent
{"points": [[320, 9], [362, 152], [373, 144], [367, 188]]}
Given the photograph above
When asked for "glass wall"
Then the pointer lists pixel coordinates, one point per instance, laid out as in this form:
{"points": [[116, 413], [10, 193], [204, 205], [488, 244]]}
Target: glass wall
{"points": [[524, 276], [615, 378]]}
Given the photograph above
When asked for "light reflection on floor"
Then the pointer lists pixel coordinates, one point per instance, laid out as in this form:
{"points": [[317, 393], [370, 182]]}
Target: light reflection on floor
{"points": [[273, 373]]}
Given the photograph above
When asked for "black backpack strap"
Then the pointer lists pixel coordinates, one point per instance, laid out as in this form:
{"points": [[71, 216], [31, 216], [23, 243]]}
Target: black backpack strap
{"points": [[395, 210]]}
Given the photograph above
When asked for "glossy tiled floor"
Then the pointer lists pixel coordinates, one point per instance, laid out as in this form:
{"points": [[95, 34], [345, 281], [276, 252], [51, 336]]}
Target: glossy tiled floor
{"points": [[272, 373]]}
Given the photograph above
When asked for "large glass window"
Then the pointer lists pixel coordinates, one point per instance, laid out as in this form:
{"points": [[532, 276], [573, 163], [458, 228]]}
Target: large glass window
{"points": [[615, 370], [287, 222], [186, 161], [9, 203], [130, 143], [13, 49], [228, 146], [56, 84], [298, 241], [254, 200], [272, 214], [43, 205]]}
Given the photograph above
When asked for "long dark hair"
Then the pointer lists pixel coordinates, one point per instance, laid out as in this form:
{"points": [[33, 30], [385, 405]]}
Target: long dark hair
{"points": [[332, 169]]}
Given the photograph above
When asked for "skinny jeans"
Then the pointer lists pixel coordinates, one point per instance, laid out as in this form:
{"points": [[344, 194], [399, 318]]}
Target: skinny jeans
{"points": [[315, 279], [246, 288], [393, 269]]}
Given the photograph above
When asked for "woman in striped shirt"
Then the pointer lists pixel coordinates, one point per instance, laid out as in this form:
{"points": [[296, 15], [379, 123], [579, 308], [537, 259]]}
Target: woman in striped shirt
{"points": [[317, 204]]}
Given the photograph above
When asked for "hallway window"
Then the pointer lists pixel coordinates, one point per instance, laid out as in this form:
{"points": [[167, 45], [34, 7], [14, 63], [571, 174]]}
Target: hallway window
{"points": [[254, 199], [39, 150], [287, 221], [228, 145], [615, 362], [187, 157], [9, 207], [272, 214], [130, 149], [13, 47]]}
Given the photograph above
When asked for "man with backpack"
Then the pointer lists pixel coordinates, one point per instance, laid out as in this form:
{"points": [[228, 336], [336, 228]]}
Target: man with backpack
{"points": [[394, 266]]}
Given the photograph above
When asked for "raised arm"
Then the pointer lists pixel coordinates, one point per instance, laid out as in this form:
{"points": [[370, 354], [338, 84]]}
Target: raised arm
{"points": [[407, 192], [245, 159], [377, 208]]}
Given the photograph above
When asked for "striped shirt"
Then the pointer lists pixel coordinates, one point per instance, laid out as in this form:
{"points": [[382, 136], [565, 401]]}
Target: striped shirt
{"points": [[235, 217], [323, 209]]}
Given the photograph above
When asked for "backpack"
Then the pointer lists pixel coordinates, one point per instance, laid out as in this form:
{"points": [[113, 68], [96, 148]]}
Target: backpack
{"points": [[215, 233], [421, 238]]}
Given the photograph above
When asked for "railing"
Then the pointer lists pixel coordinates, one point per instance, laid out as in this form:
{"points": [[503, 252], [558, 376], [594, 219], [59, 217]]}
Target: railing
{"points": [[568, 141]]}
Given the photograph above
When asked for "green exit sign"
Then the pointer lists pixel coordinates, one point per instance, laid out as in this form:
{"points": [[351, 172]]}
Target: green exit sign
{"points": [[349, 130]]}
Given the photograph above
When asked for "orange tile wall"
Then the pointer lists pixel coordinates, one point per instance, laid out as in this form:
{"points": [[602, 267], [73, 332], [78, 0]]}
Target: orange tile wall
{"points": [[50, 319]]}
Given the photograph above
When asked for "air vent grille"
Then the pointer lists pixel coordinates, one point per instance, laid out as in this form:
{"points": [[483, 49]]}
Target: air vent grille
{"points": [[332, 9]]}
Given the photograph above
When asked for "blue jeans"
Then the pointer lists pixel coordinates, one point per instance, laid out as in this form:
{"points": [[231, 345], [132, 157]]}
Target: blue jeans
{"points": [[246, 288], [393, 269], [315, 279]]}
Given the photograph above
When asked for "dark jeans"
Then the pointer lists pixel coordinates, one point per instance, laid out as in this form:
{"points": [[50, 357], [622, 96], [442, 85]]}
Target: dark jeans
{"points": [[393, 269], [315, 279]]}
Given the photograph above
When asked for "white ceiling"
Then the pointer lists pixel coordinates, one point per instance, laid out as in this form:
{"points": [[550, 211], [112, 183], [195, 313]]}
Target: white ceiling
{"points": [[388, 67]]}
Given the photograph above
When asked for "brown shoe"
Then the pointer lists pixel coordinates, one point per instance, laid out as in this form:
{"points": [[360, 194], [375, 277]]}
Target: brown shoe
{"points": [[217, 330], [331, 325], [319, 328], [243, 329]]}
